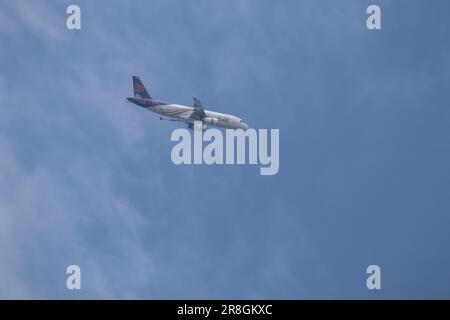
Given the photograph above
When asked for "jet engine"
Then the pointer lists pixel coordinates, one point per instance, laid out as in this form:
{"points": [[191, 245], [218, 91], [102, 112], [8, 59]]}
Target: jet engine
{"points": [[210, 120]]}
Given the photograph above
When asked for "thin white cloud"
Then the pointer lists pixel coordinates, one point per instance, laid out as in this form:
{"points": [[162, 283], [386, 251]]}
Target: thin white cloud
{"points": [[40, 19]]}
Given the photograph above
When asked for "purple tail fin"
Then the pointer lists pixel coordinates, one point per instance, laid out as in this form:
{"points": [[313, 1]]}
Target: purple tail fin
{"points": [[139, 89]]}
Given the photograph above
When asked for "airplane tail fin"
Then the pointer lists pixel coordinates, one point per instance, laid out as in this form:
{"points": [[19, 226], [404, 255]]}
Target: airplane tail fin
{"points": [[139, 89]]}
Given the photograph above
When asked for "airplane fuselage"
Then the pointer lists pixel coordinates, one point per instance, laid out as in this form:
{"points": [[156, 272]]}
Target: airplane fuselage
{"points": [[184, 113]]}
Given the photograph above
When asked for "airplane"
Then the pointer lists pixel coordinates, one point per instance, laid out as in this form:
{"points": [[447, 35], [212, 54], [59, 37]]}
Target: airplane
{"points": [[176, 112]]}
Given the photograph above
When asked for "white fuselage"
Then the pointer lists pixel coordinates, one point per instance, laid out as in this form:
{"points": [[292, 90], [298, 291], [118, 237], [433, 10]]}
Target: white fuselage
{"points": [[183, 113]]}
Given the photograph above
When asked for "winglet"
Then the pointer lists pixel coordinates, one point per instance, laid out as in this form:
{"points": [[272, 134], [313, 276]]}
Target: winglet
{"points": [[197, 103]]}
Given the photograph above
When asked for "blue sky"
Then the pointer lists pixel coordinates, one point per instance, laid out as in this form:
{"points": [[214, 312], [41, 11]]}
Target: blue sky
{"points": [[364, 120]]}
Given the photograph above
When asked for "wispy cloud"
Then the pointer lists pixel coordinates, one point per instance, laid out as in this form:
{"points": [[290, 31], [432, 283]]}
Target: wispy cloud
{"points": [[86, 178]]}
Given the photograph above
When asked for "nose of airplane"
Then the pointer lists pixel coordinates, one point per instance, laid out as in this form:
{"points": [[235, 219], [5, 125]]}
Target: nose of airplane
{"points": [[244, 126]]}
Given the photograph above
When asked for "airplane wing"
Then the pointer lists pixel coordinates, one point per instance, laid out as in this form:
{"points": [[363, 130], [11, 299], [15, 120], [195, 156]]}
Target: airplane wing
{"points": [[199, 112]]}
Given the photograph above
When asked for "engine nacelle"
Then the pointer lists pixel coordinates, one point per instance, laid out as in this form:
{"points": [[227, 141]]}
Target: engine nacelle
{"points": [[210, 120]]}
